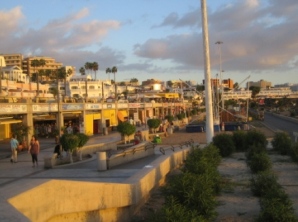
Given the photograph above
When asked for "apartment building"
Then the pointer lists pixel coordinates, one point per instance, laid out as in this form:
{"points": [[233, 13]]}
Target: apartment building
{"points": [[51, 64], [13, 59]]}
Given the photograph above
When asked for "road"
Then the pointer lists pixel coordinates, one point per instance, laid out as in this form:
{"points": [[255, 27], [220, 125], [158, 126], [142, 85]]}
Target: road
{"points": [[277, 124]]}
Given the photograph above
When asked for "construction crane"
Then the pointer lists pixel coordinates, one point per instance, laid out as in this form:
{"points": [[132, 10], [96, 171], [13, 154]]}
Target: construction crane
{"points": [[242, 82]]}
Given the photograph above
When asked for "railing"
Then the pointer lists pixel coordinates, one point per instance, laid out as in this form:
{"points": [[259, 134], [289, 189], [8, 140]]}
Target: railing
{"points": [[133, 150], [180, 146]]}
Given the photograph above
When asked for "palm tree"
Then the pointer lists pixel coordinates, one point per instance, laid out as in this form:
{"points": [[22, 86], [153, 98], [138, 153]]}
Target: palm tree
{"points": [[82, 71], [134, 81], [88, 66], [63, 74], [37, 63], [114, 70], [95, 68], [108, 71]]}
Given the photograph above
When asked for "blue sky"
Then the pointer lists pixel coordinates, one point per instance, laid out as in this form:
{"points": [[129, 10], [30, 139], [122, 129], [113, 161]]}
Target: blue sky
{"points": [[158, 39]]}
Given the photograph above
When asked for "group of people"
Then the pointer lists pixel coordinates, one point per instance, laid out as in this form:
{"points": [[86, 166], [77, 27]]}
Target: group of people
{"points": [[34, 149]]}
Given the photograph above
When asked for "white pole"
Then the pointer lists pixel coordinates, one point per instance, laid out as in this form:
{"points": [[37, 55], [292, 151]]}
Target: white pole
{"points": [[208, 94]]}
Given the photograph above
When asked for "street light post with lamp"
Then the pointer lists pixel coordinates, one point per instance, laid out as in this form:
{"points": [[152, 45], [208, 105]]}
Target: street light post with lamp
{"points": [[219, 43]]}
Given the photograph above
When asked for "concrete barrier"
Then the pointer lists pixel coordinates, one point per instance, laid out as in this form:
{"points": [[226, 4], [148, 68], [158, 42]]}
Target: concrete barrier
{"points": [[130, 154], [65, 200]]}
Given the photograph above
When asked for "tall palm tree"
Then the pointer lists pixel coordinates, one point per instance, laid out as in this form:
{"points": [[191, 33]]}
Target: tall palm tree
{"points": [[82, 71], [37, 63], [108, 71], [114, 70], [88, 66], [95, 68]]}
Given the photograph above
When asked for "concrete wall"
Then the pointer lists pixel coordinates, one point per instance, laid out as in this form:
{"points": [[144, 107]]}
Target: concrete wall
{"points": [[130, 154], [64, 200]]}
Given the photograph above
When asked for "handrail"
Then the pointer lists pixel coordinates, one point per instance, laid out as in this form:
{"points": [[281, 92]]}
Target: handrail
{"points": [[187, 143], [124, 152]]}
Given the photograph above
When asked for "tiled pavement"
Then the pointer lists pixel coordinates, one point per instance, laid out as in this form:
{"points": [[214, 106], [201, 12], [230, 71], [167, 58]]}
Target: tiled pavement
{"points": [[21, 176]]}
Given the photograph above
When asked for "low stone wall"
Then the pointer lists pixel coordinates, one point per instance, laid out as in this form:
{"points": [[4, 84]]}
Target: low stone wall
{"points": [[130, 154], [65, 200], [52, 161]]}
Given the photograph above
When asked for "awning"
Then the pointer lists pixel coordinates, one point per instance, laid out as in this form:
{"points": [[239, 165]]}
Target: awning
{"points": [[122, 114], [9, 121]]}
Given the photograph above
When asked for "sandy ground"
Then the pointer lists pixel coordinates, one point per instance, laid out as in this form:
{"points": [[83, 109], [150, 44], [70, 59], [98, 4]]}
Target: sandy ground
{"points": [[236, 204]]}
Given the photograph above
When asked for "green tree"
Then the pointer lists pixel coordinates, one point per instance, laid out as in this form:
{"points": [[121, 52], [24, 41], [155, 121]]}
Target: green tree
{"points": [[254, 91], [126, 129], [69, 143], [134, 81], [108, 71], [36, 63], [95, 68], [82, 71], [153, 124]]}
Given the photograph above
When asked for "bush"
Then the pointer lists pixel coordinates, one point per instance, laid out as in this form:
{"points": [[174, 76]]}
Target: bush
{"points": [[180, 116], [294, 152], [126, 129], [239, 139], [259, 162], [170, 118], [255, 138], [83, 139], [174, 211], [153, 123], [263, 182], [252, 150], [225, 144], [282, 143], [69, 142], [193, 191], [196, 160], [277, 208]]}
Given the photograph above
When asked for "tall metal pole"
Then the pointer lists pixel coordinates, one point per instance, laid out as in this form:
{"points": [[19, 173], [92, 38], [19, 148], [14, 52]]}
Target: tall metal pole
{"points": [[220, 76], [208, 94]]}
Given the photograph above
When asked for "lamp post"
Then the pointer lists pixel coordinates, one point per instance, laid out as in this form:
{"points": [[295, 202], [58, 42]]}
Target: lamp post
{"points": [[219, 43]]}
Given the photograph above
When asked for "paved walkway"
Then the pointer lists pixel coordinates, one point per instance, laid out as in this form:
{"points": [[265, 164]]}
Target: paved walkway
{"points": [[21, 176]]}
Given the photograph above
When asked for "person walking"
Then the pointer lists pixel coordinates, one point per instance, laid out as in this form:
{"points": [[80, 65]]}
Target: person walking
{"points": [[34, 149], [14, 143]]}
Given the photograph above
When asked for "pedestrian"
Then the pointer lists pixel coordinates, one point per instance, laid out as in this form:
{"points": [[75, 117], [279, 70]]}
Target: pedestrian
{"points": [[14, 143], [34, 149]]}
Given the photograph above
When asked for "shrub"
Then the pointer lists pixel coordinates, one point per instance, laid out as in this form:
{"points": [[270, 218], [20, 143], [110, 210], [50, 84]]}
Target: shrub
{"points": [[259, 162], [239, 139], [262, 182], [180, 116], [174, 211], [294, 152], [255, 138], [277, 208], [282, 143], [208, 156], [194, 192], [69, 142], [153, 123], [126, 129], [225, 144], [83, 139], [170, 118], [254, 149]]}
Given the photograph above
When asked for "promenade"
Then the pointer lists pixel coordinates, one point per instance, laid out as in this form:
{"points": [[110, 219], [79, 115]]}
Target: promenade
{"points": [[19, 178]]}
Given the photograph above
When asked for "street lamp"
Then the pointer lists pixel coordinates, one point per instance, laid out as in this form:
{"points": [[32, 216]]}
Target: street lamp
{"points": [[219, 43]]}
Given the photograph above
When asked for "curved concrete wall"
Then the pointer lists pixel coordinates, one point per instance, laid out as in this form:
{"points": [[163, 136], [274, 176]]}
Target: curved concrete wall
{"points": [[64, 200]]}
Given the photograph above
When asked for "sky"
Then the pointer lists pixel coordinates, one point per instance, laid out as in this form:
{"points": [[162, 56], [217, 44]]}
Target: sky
{"points": [[158, 39]]}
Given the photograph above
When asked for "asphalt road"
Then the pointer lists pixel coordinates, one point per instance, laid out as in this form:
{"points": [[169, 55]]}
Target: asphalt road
{"points": [[278, 124]]}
